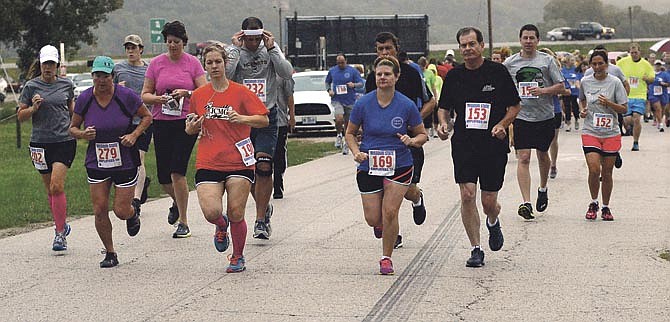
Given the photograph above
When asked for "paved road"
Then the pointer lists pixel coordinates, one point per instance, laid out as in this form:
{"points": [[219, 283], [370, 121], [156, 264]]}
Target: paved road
{"points": [[321, 263]]}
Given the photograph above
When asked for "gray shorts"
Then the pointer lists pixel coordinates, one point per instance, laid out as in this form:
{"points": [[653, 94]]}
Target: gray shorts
{"points": [[340, 109]]}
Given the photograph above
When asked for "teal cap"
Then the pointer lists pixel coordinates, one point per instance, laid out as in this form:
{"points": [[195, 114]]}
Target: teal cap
{"points": [[102, 64]]}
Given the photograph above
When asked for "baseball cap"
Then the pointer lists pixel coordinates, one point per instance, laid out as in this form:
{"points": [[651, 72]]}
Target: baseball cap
{"points": [[659, 62], [449, 52], [48, 53], [102, 64], [133, 39]]}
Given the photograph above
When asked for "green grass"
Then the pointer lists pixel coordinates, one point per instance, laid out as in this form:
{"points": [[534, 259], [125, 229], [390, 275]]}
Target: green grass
{"points": [[23, 196], [665, 255]]}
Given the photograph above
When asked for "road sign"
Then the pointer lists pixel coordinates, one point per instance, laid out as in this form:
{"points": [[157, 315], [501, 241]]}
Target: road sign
{"points": [[155, 27]]}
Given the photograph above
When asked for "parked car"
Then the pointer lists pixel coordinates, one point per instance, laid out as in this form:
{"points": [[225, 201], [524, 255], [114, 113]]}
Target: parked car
{"points": [[590, 29], [313, 110], [10, 84], [83, 85], [560, 33], [78, 78]]}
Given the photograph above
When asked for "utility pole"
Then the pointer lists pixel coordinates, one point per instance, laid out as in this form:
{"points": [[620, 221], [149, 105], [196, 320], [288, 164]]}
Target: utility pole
{"points": [[630, 18], [490, 29]]}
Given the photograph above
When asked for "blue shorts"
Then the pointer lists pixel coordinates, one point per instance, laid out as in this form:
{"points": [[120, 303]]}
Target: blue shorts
{"points": [[265, 139], [654, 99], [636, 105]]}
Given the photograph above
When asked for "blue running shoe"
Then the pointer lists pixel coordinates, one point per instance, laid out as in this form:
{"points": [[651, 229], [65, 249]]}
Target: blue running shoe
{"points": [[221, 238], [60, 243], [236, 264], [68, 229]]}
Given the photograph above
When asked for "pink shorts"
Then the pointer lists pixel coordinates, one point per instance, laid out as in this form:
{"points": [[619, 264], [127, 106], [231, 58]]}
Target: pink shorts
{"points": [[606, 146]]}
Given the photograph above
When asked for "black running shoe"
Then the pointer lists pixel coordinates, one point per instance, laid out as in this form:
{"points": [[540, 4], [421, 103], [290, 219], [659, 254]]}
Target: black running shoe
{"points": [[261, 230], [398, 242], [619, 161], [145, 190], [476, 258], [110, 261], [182, 231], [526, 211], [173, 215], [496, 238], [419, 212], [542, 201], [133, 223]]}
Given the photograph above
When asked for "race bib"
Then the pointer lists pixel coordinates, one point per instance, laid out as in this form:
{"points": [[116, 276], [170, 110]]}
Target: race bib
{"points": [[524, 89], [573, 83], [382, 162], [39, 160], [477, 115], [658, 90], [246, 150], [341, 89], [633, 82], [173, 107], [108, 155], [257, 86], [603, 121]]}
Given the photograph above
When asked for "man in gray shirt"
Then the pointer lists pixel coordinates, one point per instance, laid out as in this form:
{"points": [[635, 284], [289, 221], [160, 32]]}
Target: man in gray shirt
{"points": [[285, 124], [538, 78], [255, 61]]}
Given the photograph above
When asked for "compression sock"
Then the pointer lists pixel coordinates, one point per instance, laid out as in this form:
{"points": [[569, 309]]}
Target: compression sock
{"points": [[238, 230], [58, 210]]}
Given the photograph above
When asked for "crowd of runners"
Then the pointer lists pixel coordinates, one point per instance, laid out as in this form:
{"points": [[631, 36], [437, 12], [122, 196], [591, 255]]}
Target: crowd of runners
{"points": [[238, 107]]}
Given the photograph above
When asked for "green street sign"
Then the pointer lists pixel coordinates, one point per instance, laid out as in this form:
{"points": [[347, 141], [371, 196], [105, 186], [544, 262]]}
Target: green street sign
{"points": [[155, 28]]}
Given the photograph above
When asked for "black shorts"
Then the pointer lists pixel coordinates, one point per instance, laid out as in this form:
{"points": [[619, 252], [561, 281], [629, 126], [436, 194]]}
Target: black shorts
{"points": [[214, 176], [120, 178], [558, 120], [533, 135], [368, 184], [173, 148], [61, 152], [417, 159], [489, 169], [145, 139]]}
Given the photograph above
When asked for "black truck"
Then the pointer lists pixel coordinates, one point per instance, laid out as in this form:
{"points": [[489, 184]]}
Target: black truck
{"points": [[590, 29]]}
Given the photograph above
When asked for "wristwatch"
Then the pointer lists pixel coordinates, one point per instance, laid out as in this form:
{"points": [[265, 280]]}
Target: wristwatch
{"points": [[190, 93]]}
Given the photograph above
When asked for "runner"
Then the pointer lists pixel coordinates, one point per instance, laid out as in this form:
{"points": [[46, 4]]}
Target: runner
{"points": [[106, 111], [392, 123], [411, 85], [285, 125], [538, 78], [601, 97], [341, 82], [658, 93], [255, 61], [49, 101], [168, 84], [571, 107], [486, 101], [639, 72], [224, 113], [130, 73]]}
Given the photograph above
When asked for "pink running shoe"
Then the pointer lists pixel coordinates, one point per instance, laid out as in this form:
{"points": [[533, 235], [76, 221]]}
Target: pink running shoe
{"points": [[386, 267], [592, 213]]}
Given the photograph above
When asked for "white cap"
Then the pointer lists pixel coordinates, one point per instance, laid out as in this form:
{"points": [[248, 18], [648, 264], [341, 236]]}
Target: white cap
{"points": [[449, 52], [659, 62], [48, 53]]}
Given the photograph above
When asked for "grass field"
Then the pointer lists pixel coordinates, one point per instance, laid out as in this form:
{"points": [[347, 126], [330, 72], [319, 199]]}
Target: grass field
{"points": [[23, 197]]}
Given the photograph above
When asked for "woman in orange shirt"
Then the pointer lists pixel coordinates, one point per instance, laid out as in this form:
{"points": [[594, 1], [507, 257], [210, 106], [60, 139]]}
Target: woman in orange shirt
{"points": [[225, 112]]}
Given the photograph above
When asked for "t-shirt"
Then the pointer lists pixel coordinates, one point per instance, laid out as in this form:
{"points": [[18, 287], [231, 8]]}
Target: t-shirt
{"points": [[658, 90], [612, 69], [431, 80], [285, 90], [542, 70], [217, 149], [489, 84], [110, 124], [601, 121], [170, 76], [572, 77], [337, 79], [133, 76], [381, 126], [51, 122], [634, 72]]}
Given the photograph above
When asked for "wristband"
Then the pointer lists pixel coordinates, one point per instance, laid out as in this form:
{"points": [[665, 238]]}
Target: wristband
{"points": [[273, 47]]}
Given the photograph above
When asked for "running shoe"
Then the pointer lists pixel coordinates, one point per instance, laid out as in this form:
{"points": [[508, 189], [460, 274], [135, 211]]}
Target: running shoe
{"points": [[386, 267], [133, 224], [261, 230], [619, 161], [398, 242], [592, 213], [542, 201], [576, 125], [476, 258], [345, 149], [496, 238], [660, 129], [338, 141], [526, 211], [278, 195], [636, 147], [236, 264], [110, 261], [67, 229], [173, 215], [182, 231], [552, 172], [419, 212], [606, 214], [221, 238], [145, 190], [379, 231], [269, 211], [667, 122], [60, 243]]}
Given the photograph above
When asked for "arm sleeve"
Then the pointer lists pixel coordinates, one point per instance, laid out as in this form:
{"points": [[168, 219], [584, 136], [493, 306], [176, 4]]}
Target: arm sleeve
{"points": [[196, 69], [27, 94]]}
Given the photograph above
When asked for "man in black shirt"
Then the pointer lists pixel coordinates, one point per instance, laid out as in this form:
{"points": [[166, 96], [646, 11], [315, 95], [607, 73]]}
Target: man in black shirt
{"points": [[411, 85], [485, 100]]}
